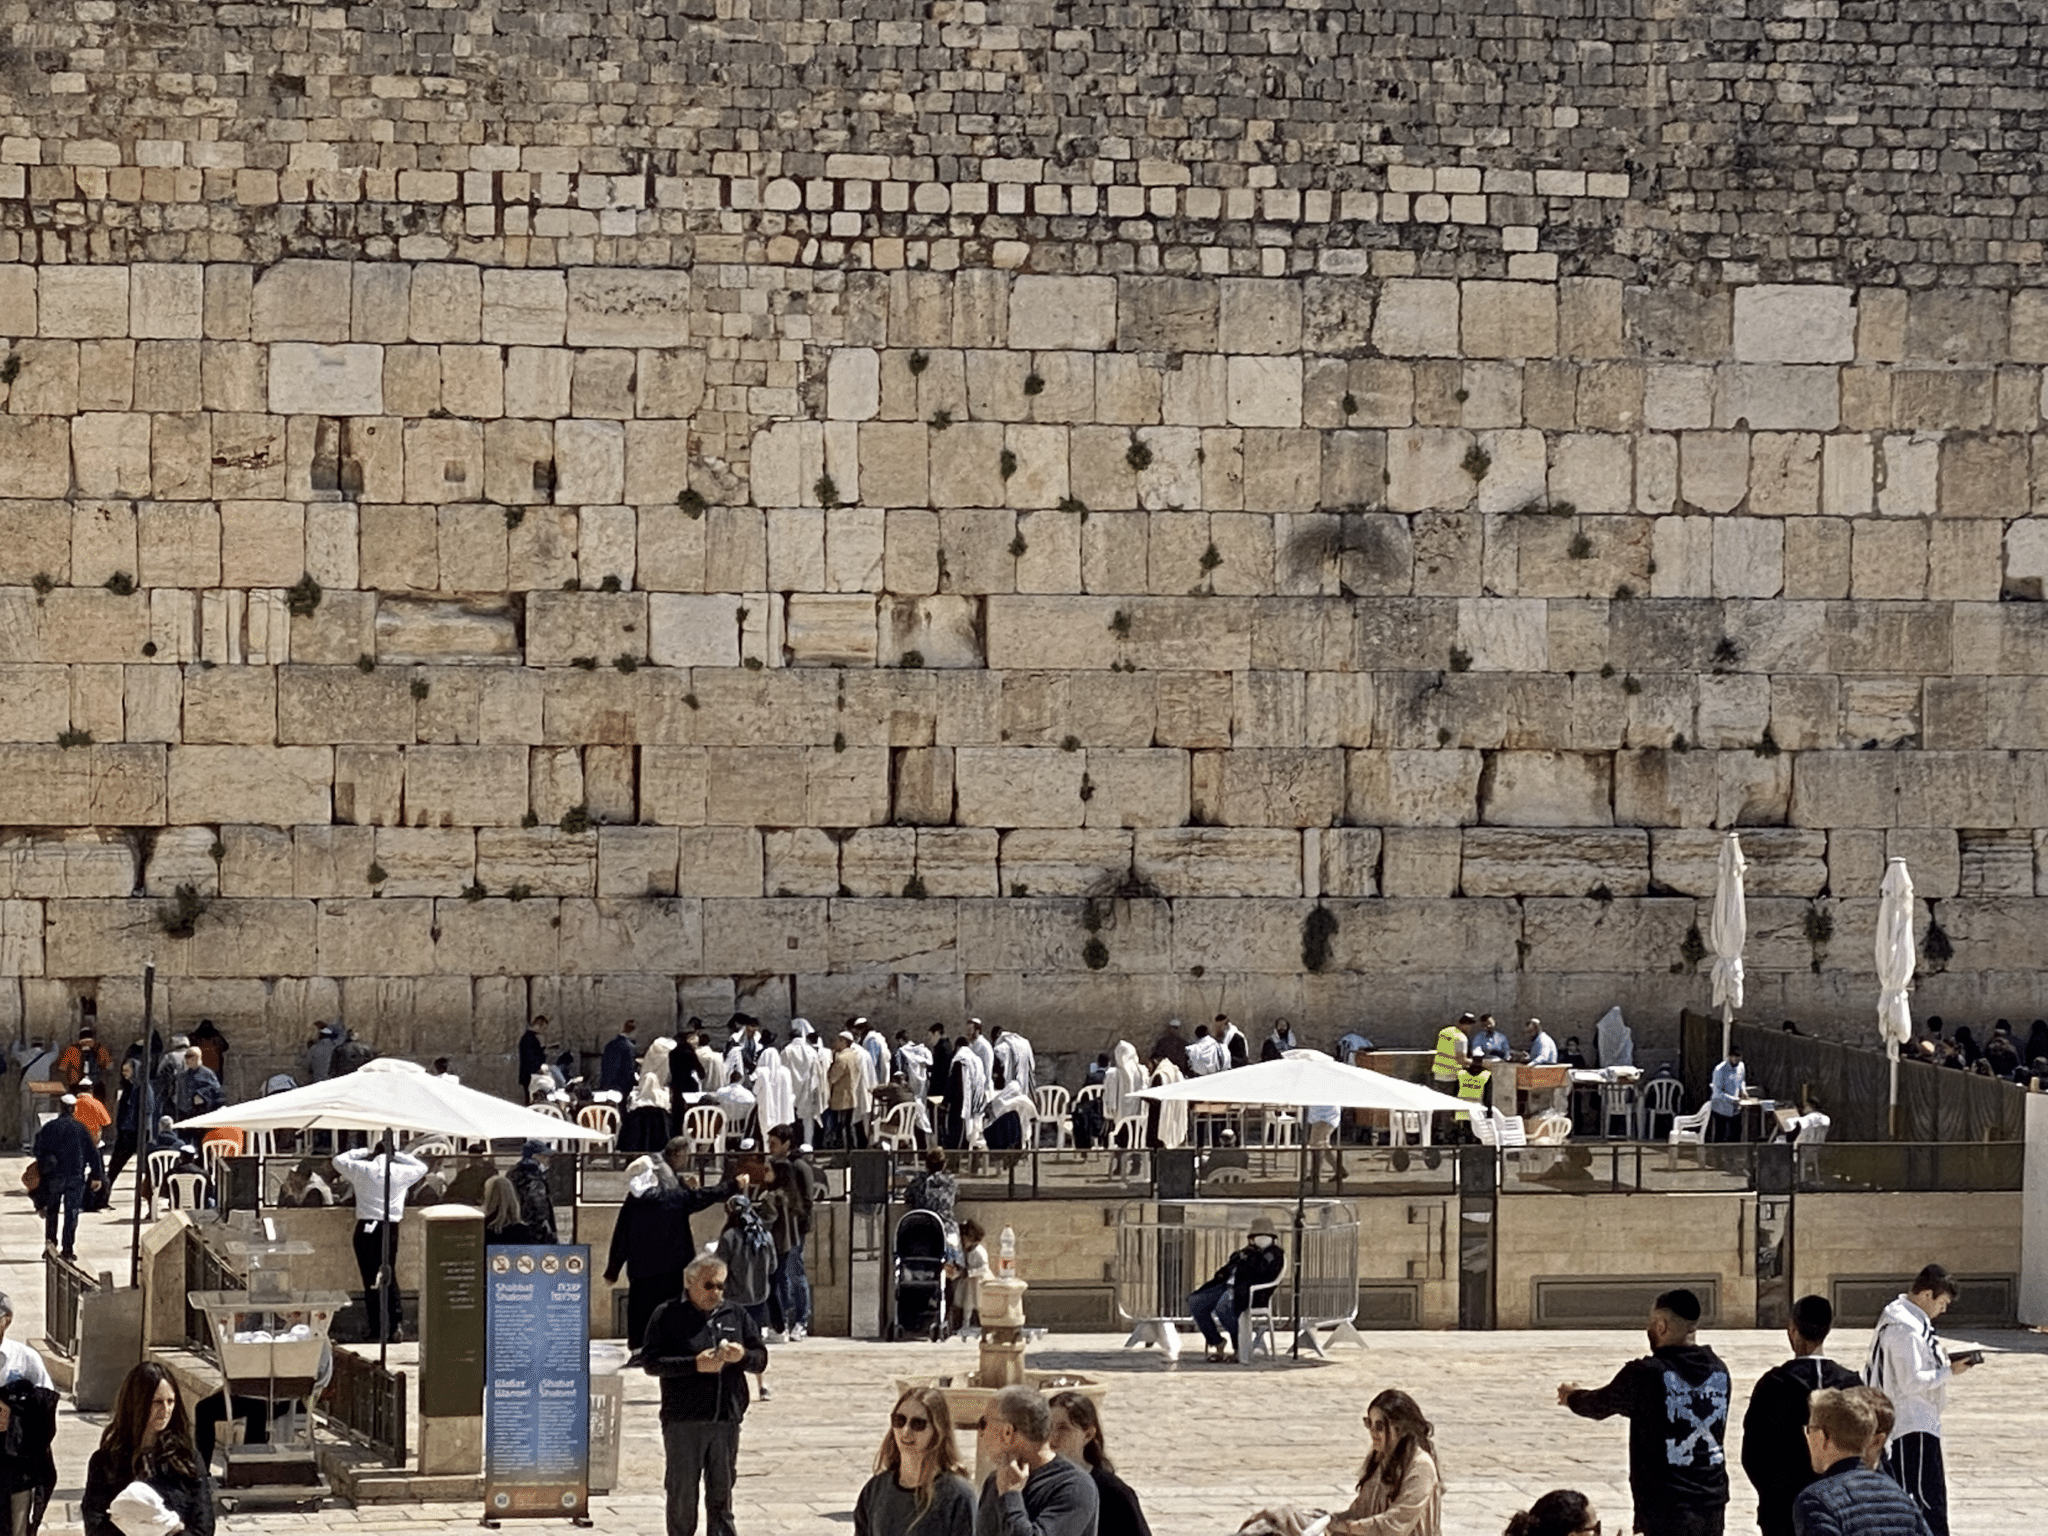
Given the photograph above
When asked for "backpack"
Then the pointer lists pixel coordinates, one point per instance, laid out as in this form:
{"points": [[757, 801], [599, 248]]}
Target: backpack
{"points": [[749, 1255], [349, 1056]]}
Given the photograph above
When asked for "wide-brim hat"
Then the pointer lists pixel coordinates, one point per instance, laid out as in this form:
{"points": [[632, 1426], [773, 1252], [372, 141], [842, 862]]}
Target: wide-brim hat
{"points": [[1262, 1226]]}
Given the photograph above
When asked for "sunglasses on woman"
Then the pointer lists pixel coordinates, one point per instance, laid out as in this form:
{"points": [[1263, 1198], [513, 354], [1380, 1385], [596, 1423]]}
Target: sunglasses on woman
{"points": [[916, 1425]]}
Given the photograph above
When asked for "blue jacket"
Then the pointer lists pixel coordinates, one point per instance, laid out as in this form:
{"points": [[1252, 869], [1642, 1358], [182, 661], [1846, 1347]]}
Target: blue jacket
{"points": [[1852, 1501], [66, 1153]]}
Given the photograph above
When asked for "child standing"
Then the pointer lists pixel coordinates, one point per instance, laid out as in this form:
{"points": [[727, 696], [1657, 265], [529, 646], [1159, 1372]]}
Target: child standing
{"points": [[972, 1270]]}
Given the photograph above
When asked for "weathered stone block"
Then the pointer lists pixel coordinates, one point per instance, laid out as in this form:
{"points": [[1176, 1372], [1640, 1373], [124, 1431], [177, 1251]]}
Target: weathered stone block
{"points": [[307, 379], [561, 626], [1018, 787], [1794, 323], [481, 786], [83, 301], [799, 862], [274, 786], [1403, 789], [1555, 862], [1417, 318], [425, 861], [1041, 862], [57, 865], [831, 629], [1509, 319], [524, 308], [1218, 861], [1054, 313], [1547, 789], [628, 307], [299, 300]]}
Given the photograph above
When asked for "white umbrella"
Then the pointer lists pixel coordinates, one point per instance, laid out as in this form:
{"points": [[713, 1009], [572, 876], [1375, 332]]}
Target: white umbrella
{"points": [[1306, 1077], [1727, 928], [1895, 957], [389, 1094]]}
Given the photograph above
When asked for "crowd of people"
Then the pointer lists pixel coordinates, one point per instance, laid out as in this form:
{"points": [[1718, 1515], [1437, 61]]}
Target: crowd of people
{"points": [[2000, 1055]]}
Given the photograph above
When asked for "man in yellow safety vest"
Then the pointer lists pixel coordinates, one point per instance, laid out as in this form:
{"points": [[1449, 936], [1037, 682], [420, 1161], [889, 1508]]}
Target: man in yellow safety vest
{"points": [[1451, 1051], [1475, 1083]]}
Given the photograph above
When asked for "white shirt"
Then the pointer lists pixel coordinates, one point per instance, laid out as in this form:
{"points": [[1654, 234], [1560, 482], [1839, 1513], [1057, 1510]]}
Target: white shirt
{"points": [[365, 1174], [1205, 1055], [20, 1363], [1542, 1050]]}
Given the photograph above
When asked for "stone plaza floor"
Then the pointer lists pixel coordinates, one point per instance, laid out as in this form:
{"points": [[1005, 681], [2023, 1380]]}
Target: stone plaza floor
{"points": [[1203, 1445]]}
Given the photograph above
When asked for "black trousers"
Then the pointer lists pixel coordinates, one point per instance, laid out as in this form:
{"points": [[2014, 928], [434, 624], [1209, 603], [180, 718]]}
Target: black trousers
{"points": [[210, 1413], [380, 1303], [700, 1454], [1914, 1462], [643, 1295]]}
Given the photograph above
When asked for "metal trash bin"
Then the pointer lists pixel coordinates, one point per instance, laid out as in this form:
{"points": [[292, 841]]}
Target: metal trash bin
{"points": [[607, 1412]]}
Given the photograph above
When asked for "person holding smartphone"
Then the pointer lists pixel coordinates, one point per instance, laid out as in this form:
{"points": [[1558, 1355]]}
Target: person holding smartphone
{"points": [[702, 1347], [1909, 1365]]}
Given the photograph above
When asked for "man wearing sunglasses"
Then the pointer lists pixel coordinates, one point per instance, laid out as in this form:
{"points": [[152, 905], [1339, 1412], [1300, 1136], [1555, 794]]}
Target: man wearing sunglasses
{"points": [[702, 1347], [1034, 1491]]}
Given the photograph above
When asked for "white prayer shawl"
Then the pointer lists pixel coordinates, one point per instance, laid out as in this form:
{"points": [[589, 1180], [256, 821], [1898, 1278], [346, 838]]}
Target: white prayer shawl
{"points": [[774, 1090], [863, 1085], [712, 1068], [1205, 1056], [656, 1061], [974, 1090], [1173, 1118], [1010, 1100], [735, 1065], [738, 1102], [985, 1052], [650, 1092], [917, 1063], [1121, 1084], [876, 1044], [1020, 1065], [1232, 1032], [808, 1063]]}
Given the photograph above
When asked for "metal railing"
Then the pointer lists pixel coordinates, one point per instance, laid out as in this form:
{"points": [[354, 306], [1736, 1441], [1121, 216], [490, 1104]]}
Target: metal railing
{"points": [[205, 1270], [1166, 1251], [65, 1287], [366, 1402]]}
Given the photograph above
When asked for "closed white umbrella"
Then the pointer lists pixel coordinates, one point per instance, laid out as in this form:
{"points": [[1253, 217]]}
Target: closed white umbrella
{"points": [[1727, 930], [1895, 958]]}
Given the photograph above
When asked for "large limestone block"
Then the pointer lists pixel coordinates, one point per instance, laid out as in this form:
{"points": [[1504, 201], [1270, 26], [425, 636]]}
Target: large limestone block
{"points": [[1547, 789], [262, 543], [1795, 323], [545, 860], [497, 937], [1140, 787], [332, 861], [1238, 935], [307, 379], [166, 299], [830, 629], [299, 300], [957, 861], [590, 461], [446, 302], [1064, 862], [369, 785], [745, 938], [916, 936], [759, 787], [1420, 861], [1259, 315], [1555, 862], [657, 462], [1417, 317], [83, 301], [444, 461], [1056, 313], [561, 626], [257, 861], [1172, 314], [63, 864], [341, 704], [923, 787], [848, 788], [1019, 787], [719, 861], [1577, 935], [375, 937], [606, 937], [481, 786], [636, 861], [472, 549], [1509, 319], [1771, 397], [271, 786], [877, 861], [1218, 861], [35, 456], [232, 705], [628, 307], [1050, 936], [178, 545], [524, 308], [1429, 468], [111, 453], [425, 861], [21, 938], [694, 630], [1504, 634], [1282, 786], [419, 631], [1412, 789], [1347, 861], [1264, 391]]}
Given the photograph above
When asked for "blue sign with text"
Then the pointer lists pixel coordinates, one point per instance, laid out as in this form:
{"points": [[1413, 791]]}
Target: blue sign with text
{"points": [[537, 1382]]}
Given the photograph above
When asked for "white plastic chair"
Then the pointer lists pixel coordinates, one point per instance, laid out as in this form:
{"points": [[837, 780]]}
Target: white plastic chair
{"points": [[1282, 1129], [552, 1111], [601, 1117], [185, 1191], [705, 1127], [1256, 1323], [157, 1167], [213, 1154], [1660, 1096], [1690, 1131], [1228, 1174], [1053, 1103], [1618, 1101], [898, 1126]]}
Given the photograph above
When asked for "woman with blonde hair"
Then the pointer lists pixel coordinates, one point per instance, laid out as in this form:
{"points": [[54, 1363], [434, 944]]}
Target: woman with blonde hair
{"points": [[920, 1487], [1399, 1490]]}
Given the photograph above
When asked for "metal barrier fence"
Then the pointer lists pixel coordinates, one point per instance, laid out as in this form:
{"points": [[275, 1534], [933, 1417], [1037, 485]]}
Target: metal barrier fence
{"points": [[205, 1270], [367, 1403], [65, 1287], [1165, 1252]]}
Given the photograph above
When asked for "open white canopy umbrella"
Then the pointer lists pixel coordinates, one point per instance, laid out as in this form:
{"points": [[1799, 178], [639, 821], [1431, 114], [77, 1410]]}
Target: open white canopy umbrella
{"points": [[1895, 959], [389, 1094], [1306, 1077], [1727, 929]]}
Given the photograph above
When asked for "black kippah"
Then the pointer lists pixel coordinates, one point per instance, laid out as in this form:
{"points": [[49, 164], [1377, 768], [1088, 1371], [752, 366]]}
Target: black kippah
{"points": [[1681, 1304]]}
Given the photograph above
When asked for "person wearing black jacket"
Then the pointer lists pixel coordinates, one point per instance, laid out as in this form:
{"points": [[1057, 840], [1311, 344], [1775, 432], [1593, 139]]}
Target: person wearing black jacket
{"points": [[148, 1439], [1676, 1401], [536, 1202], [702, 1349], [1846, 1498], [1217, 1306], [1774, 1429], [68, 1160], [28, 1429], [651, 1243], [533, 1052], [939, 1080]]}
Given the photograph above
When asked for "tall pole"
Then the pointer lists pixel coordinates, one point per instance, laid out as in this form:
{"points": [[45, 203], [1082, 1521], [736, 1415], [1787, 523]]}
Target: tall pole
{"points": [[145, 1118]]}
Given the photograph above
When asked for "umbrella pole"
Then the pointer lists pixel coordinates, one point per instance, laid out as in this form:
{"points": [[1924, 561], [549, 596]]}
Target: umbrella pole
{"points": [[387, 1271], [1300, 1224], [145, 1120], [1727, 1026], [1891, 1127]]}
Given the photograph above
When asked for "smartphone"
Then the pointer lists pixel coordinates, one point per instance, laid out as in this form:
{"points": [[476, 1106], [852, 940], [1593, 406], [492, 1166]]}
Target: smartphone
{"points": [[1967, 1357]]}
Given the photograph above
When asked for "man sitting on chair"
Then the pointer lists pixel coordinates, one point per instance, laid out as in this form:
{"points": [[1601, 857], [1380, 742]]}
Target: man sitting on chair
{"points": [[1217, 1306]]}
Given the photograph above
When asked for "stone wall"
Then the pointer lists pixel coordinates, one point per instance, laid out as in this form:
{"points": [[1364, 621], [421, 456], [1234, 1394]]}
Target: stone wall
{"points": [[1070, 517]]}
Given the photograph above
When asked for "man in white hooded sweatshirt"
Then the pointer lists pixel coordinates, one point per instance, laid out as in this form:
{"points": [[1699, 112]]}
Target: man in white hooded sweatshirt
{"points": [[1909, 1365]]}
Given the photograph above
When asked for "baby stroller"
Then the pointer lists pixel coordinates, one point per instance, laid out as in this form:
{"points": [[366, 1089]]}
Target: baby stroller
{"points": [[922, 1244]]}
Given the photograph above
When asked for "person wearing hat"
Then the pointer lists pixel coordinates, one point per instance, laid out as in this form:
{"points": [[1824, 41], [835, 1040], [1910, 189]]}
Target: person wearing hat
{"points": [[1676, 1401], [68, 1162], [1542, 1049], [849, 1087], [530, 1181], [1217, 1306], [84, 1059]]}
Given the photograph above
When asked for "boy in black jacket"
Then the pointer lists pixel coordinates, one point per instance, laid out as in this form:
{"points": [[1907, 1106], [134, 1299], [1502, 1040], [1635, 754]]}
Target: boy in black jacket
{"points": [[702, 1347], [1676, 1401], [1774, 1430]]}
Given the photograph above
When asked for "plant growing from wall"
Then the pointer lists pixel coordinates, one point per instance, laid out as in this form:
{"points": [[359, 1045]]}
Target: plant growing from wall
{"points": [[179, 917], [43, 584], [913, 888], [10, 368], [519, 891], [1461, 659], [912, 660], [1477, 462], [1819, 925], [74, 737], [1350, 403], [1936, 949], [378, 874], [1074, 504], [1018, 546], [1580, 547], [918, 363], [1120, 624], [1006, 463], [121, 584], [1034, 384], [610, 584], [940, 419], [302, 597], [827, 491], [514, 516], [626, 662], [690, 502], [366, 662], [1138, 456], [420, 688], [1317, 930], [1095, 953], [583, 663], [576, 820]]}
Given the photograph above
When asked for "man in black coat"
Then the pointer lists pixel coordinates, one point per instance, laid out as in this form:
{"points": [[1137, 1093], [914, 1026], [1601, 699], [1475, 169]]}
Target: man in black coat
{"points": [[652, 1243], [1774, 1429], [940, 1078], [702, 1348], [529, 1178], [620, 1071], [1217, 1306], [1846, 1498], [68, 1159], [533, 1051]]}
